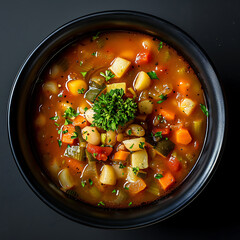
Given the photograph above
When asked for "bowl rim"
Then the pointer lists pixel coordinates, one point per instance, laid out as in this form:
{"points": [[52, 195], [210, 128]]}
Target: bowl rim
{"points": [[210, 171]]}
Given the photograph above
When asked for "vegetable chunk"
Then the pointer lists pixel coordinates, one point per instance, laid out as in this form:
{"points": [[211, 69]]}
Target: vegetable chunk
{"points": [[142, 81], [139, 159], [108, 175], [187, 106], [116, 86], [183, 136], [120, 66], [135, 144], [167, 180], [66, 179]]}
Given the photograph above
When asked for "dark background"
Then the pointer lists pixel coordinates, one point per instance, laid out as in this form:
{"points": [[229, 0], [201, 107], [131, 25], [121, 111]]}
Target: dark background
{"points": [[215, 25]]}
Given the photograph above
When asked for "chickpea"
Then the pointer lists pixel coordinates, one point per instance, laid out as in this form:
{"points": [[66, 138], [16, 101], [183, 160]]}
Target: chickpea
{"points": [[135, 130], [91, 135]]}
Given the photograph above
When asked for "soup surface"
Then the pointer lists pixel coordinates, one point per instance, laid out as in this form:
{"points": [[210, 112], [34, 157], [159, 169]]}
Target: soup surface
{"points": [[119, 119]]}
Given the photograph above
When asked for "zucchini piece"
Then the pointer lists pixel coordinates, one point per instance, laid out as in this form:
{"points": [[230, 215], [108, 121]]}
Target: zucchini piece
{"points": [[92, 94], [164, 147], [75, 152], [79, 133]]}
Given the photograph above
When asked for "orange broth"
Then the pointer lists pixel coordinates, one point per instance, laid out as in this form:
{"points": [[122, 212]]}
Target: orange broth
{"points": [[176, 82]]}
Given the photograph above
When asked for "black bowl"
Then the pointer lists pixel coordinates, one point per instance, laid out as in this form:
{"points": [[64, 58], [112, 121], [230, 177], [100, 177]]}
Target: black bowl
{"points": [[19, 132]]}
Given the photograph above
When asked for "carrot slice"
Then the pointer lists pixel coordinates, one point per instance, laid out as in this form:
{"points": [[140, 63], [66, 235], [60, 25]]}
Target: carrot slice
{"points": [[136, 187], [183, 136], [80, 121], [183, 86], [67, 137], [168, 115], [121, 155], [167, 180]]}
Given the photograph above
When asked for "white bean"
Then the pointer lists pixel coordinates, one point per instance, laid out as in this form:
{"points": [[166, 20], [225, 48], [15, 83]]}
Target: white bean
{"points": [[91, 135]]}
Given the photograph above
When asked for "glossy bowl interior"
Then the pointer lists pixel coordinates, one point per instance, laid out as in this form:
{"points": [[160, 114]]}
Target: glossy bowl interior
{"points": [[19, 132]]}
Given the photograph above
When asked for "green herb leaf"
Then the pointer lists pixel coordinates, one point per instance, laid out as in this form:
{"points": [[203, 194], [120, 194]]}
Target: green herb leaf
{"points": [[81, 91], [204, 109], [158, 176], [94, 54], [131, 146], [108, 75], [57, 124], [101, 203], [96, 36], [141, 145], [152, 75], [75, 135], [130, 204], [83, 183], [111, 110], [90, 181], [84, 73], [163, 98], [55, 118], [135, 170], [114, 191], [59, 143], [129, 132], [158, 134], [125, 187], [160, 46], [67, 121], [70, 113], [121, 166]]}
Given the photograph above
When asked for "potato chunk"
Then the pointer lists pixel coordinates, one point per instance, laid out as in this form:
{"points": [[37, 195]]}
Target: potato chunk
{"points": [[142, 81], [187, 106], [108, 175], [120, 66], [116, 86], [145, 107], [135, 144], [65, 179], [75, 85], [139, 159]]}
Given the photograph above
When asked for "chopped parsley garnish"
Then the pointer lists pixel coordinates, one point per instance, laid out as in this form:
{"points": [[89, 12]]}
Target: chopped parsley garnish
{"points": [[57, 124], [81, 63], [111, 110], [60, 95], [75, 135], [85, 109], [158, 134], [101, 203], [55, 118], [158, 176], [135, 170], [90, 181], [84, 73], [114, 191], [163, 98], [108, 75], [70, 113], [204, 109], [67, 121], [59, 143], [152, 75], [125, 187], [96, 36], [141, 145], [94, 54], [131, 146], [95, 155], [83, 183], [130, 204], [121, 166], [129, 132], [81, 91], [160, 46]]}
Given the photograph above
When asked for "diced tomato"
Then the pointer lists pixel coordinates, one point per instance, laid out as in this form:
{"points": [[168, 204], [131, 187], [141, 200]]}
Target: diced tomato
{"points": [[173, 164], [102, 152], [165, 131], [143, 57]]}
